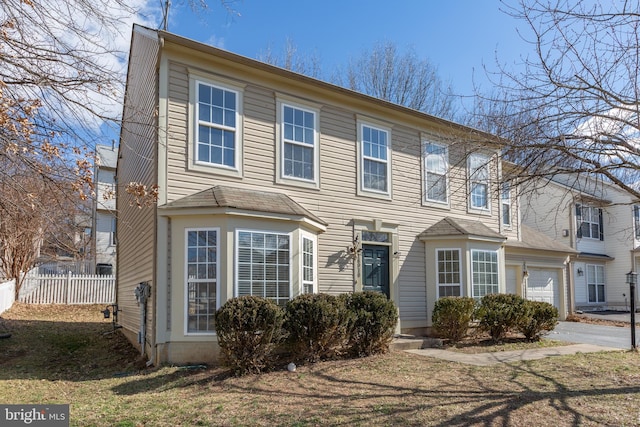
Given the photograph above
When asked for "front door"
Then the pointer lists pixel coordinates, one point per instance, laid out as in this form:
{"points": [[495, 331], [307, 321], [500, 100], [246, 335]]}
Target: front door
{"points": [[375, 269]]}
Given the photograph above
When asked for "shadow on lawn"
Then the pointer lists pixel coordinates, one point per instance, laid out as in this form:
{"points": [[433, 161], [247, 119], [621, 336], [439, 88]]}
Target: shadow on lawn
{"points": [[59, 350], [330, 393], [396, 389]]}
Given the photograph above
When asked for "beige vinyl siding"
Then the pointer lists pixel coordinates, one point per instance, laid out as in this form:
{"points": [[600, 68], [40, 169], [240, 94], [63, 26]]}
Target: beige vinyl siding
{"points": [[336, 201], [259, 135], [137, 163]]}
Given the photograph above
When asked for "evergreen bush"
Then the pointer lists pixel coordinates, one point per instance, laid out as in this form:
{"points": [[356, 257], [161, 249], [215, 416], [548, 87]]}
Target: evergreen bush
{"points": [[373, 322], [536, 318], [498, 314], [249, 329], [317, 326], [452, 316]]}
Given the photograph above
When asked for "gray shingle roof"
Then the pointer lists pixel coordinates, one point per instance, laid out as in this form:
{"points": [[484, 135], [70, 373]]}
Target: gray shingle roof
{"points": [[532, 239], [459, 227], [242, 199]]}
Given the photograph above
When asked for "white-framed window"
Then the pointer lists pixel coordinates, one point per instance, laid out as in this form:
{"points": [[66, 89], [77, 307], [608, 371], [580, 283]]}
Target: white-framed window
{"points": [[217, 125], [505, 201], [479, 181], [484, 273], [113, 231], [375, 159], [589, 222], [263, 264], [436, 169], [595, 283], [308, 263], [636, 221], [449, 277], [299, 143], [201, 267]]}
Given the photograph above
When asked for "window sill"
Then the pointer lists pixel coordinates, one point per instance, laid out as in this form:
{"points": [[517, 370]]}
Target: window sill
{"points": [[438, 205], [374, 195], [210, 168], [477, 211], [300, 183]]}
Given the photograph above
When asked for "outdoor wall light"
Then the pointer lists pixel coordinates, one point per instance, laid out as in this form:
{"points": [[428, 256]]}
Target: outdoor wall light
{"points": [[580, 272], [356, 248]]}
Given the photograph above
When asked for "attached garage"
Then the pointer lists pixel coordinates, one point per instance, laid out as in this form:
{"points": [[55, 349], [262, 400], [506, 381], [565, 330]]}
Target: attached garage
{"points": [[535, 269], [543, 285]]}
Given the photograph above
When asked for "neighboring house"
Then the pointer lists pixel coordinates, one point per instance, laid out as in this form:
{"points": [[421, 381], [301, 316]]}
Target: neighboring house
{"points": [[602, 224], [274, 184], [104, 210]]}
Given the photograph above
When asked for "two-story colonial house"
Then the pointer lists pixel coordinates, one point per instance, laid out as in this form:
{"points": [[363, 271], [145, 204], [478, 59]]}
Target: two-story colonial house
{"points": [[274, 184], [602, 223], [104, 210]]}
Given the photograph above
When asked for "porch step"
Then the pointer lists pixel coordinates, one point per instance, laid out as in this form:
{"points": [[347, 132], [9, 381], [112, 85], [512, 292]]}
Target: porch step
{"points": [[410, 342]]}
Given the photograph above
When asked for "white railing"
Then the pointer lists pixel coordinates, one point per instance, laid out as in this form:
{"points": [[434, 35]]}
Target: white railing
{"points": [[68, 289], [7, 295]]}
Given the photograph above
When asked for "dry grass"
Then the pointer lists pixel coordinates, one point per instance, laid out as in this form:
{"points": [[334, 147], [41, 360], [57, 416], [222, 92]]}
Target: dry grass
{"points": [[57, 358]]}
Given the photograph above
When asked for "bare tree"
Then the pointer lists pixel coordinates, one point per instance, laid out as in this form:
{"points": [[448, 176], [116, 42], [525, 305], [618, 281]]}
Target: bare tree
{"points": [[35, 216], [61, 68], [575, 106], [291, 59], [386, 73]]}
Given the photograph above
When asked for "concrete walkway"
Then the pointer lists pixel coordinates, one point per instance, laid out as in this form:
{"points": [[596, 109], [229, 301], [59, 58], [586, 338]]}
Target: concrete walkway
{"points": [[494, 358]]}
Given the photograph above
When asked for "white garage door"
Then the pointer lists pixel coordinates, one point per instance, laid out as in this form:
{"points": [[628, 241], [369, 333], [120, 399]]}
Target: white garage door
{"points": [[542, 285]]}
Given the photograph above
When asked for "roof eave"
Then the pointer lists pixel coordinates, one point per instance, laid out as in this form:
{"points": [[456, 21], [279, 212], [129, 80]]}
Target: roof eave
{"points": [[170, 211]]}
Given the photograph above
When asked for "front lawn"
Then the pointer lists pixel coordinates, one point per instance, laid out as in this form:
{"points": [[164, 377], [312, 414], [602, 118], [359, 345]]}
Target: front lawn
{"points": [[59, 355]]}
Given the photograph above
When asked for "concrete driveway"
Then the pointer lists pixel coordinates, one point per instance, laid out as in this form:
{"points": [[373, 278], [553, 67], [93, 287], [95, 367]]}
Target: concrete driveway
{"points": [[587, 333]]}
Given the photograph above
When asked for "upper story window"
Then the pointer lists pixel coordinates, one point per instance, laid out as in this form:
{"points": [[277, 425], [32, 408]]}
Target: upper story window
{"points": [[299, 139], [449, 283], [505, 200], [636, 221], [216, 111], [436, 168], [484, 273], [298, 149], [375, 160], [479, 181], [589, 222]]}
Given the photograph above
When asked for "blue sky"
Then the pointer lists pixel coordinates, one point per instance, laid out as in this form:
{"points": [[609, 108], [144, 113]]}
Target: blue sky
{"points": [[459, 37]]}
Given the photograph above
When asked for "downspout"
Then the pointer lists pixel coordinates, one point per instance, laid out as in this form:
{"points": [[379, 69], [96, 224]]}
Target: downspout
{"points": [[142, 293]]}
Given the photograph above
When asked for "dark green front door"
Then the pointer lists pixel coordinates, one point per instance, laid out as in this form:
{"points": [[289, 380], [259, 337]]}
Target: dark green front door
{"points": [[375, 269]]}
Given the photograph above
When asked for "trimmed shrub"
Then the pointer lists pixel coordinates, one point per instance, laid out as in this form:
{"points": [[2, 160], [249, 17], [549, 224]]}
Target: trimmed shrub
{"points": [[537, 317], [373, 322], [497, 314], [452, 316], [317, 326], [249, 329]]}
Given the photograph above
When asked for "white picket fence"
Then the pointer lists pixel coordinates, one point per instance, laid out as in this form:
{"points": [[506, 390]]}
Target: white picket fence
{"points": [[68, 289], [7, 295]]}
